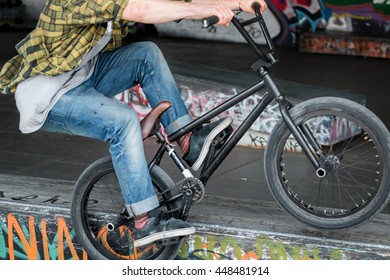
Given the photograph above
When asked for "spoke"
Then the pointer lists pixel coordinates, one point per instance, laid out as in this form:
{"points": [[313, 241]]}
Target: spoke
{"points": [[351, 139], [358, 168], [339, 189], [115, 202], [358, 146], [363, 186], [304, 178], [346, 190], [359, 155]]}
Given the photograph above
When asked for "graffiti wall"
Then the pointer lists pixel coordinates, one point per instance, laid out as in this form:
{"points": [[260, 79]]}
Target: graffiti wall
{"points": [[37, 237], [201, 97], [30, 237]]}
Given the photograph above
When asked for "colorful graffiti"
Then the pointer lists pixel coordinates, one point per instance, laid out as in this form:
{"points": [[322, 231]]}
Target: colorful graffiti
{"points": [[355, 19], [349, 15], [37, 239], [200, 101], [28, 237], [212, 247], [302, 13], [201, 98]]}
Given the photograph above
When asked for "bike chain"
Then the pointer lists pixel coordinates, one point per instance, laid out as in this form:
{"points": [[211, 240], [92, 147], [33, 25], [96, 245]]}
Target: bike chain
{"points": [[193, 184]]}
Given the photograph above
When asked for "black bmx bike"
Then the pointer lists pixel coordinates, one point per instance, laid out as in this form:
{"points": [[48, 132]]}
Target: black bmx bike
{"points": [[336, 177]]}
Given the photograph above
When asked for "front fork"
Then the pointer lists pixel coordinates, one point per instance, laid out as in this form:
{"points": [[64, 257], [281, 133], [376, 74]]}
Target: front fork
{"points": [[302, 134]]}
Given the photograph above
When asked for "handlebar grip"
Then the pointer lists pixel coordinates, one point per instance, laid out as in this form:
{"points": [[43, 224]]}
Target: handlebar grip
{"points": [[207, 22]]}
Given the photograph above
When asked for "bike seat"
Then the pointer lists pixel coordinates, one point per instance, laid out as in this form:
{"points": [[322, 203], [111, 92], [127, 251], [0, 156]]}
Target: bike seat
{"points": [[149, 122]]}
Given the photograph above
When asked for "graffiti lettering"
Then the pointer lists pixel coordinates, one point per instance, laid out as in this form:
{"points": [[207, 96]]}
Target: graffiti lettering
{"points": [[255, 140], [228, 248], [28, 198], [24, 198], [55, 200], [32, 242], [31, 237]]}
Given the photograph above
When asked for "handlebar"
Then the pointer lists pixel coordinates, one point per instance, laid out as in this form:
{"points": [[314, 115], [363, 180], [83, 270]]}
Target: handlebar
{"points": [[269, 58]]}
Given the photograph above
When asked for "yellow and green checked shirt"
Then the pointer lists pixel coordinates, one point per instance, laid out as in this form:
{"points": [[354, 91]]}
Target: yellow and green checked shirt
{"points": [[65, 32]]}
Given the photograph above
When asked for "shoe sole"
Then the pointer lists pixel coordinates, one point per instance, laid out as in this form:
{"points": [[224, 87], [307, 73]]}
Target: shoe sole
{"points": [[206, 145], [163, 235]]}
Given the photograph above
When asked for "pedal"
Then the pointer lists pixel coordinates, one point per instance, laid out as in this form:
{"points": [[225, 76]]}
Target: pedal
{"points": [[168, 241]]}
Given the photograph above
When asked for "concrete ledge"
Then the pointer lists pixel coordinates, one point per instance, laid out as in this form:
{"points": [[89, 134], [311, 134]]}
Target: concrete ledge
{"points": [[35, 224], [342, 43]]}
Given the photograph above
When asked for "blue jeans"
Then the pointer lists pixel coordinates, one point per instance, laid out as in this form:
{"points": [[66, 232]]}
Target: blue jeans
{"points": [[89, 110]]}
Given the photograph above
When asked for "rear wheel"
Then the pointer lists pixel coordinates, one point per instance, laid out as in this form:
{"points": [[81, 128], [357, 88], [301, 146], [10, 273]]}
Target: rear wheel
{"points": [[98, 202], [352, 184]]}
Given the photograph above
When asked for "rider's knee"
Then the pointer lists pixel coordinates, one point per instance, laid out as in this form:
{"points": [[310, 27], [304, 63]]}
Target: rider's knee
{"points": [[149, 51]]}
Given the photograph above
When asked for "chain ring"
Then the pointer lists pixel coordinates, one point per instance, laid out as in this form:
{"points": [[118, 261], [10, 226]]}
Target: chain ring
{"points": [[195, 185]]}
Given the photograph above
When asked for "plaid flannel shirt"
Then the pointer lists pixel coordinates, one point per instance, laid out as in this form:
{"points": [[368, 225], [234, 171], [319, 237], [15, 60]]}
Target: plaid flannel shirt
{"points": [[65, 32]]}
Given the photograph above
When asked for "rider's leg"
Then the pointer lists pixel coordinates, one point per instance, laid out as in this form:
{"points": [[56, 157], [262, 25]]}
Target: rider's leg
{"points": [[143, 63], [86, 112]]}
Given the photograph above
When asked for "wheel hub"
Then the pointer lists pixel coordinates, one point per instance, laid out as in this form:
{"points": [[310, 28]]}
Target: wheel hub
{"points": [[331, 163]]}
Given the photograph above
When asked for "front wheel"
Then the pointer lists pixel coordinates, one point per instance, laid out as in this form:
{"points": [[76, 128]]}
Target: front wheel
{"points": [[97, 205], [354, 144]]}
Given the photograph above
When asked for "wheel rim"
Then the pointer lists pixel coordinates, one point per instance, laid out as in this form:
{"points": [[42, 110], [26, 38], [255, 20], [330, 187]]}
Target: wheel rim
{"points": [[350, 184]]}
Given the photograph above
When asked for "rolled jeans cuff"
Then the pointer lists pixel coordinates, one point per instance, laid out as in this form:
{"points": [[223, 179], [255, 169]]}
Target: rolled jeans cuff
{"points": [[178, 124], [142, 207]]}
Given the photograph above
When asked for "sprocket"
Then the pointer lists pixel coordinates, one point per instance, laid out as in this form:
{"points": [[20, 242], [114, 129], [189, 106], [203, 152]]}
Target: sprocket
{"points": [[193, 184]]}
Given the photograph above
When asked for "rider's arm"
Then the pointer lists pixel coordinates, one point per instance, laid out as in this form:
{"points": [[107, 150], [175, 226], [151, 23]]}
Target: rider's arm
{"points": [[244, 5], [160, 11]]}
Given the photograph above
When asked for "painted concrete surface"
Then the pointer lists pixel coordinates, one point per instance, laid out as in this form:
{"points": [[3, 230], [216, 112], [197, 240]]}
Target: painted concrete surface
{"points": [[35, 224]]}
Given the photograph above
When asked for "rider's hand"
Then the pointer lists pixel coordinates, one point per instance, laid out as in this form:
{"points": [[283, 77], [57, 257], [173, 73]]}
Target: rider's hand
{"points": [[246, 5], [225, 15], [223, 12]]}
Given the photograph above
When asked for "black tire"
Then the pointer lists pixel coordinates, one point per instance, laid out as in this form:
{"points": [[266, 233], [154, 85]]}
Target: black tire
{"points": [[97, 200], [351, 194]]}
